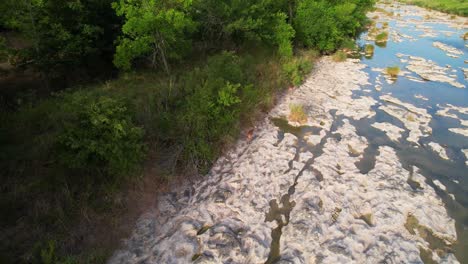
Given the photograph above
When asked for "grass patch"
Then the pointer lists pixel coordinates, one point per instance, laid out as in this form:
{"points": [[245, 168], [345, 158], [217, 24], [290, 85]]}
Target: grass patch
{"points": [[340, 56], [349, 44], [369, 50], [382, 37], [382, 10], [393, 71], [373, 31], [410, 117], [297, 114], [457, 7], [296, 69], [465, 36]]}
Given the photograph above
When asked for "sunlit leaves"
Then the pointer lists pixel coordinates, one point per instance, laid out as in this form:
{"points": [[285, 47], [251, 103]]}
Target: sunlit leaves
{"points": [[158, 30]]}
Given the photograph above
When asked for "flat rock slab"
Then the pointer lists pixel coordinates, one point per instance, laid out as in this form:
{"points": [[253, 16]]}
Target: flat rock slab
{"points": [[330, 211]]}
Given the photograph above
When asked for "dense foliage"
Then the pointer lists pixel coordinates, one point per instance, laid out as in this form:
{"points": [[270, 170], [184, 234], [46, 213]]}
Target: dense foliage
{"points": [[326, 24], [238, 21], [210, 106], [60, 36], [97, 134], [215, 65], [158, 28]]}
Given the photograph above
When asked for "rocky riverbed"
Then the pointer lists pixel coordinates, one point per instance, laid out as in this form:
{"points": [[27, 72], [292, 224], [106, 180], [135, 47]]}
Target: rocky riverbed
{"points": [[370, 177]]}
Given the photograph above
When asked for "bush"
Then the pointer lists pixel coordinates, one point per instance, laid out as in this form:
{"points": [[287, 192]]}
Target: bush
{"points": [[210, 109], [326, 24], [369, 50], [97, 133], [393, 71], [316, 26], [297, 114], [296, 70], [382, 37], [340, 56], [244, 21], [349, 44]]}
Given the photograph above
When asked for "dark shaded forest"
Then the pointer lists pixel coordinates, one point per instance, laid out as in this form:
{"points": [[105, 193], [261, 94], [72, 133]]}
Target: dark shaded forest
{"points": [[99, 97]]}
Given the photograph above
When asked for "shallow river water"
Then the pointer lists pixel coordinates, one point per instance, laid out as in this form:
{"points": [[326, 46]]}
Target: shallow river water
{"points": [[377, 174]]}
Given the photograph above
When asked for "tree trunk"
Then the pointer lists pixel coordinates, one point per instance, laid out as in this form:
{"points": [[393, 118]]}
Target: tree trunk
{"points": [[35, 37], [290, 4]]}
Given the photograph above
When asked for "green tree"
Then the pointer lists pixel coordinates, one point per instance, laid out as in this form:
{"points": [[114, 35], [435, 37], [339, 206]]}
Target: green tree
{"points": [[316, 26], [225, 21], [62, 35], [326, 24], [157, 29], [97, 133]]}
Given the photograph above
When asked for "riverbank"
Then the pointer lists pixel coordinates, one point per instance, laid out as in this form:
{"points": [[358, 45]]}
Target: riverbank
{"points": [[81, 217], [456, 7], [311, 179], [70, 159], [355, 165]]}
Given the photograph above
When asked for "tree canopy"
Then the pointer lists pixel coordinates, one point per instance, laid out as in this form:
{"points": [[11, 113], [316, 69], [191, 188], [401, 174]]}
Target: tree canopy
{"points": [[73, 34], [160, 29]]}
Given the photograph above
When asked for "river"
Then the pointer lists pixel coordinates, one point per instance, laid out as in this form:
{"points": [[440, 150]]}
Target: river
{"points": [[377, 174]]}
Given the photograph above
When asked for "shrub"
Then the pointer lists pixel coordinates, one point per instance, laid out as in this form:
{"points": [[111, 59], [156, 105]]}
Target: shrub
{"points": [[349, 44], [382, 37], [373, 30], [326, 24], [297, 114], [316, 26], [369, 50], [339, 56], [393, 71], [296, 70], [241, 21], [210, 109], [465, 36], [97, 133]]}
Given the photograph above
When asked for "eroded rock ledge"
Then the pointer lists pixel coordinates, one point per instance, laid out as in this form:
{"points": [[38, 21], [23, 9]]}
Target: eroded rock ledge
{"points": [[335, 213]]}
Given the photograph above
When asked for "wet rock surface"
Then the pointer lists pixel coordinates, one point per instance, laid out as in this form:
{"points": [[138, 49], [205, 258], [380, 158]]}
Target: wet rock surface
{"points": [[393, 132], [367, 179], [439, 150], [429, 70]]}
